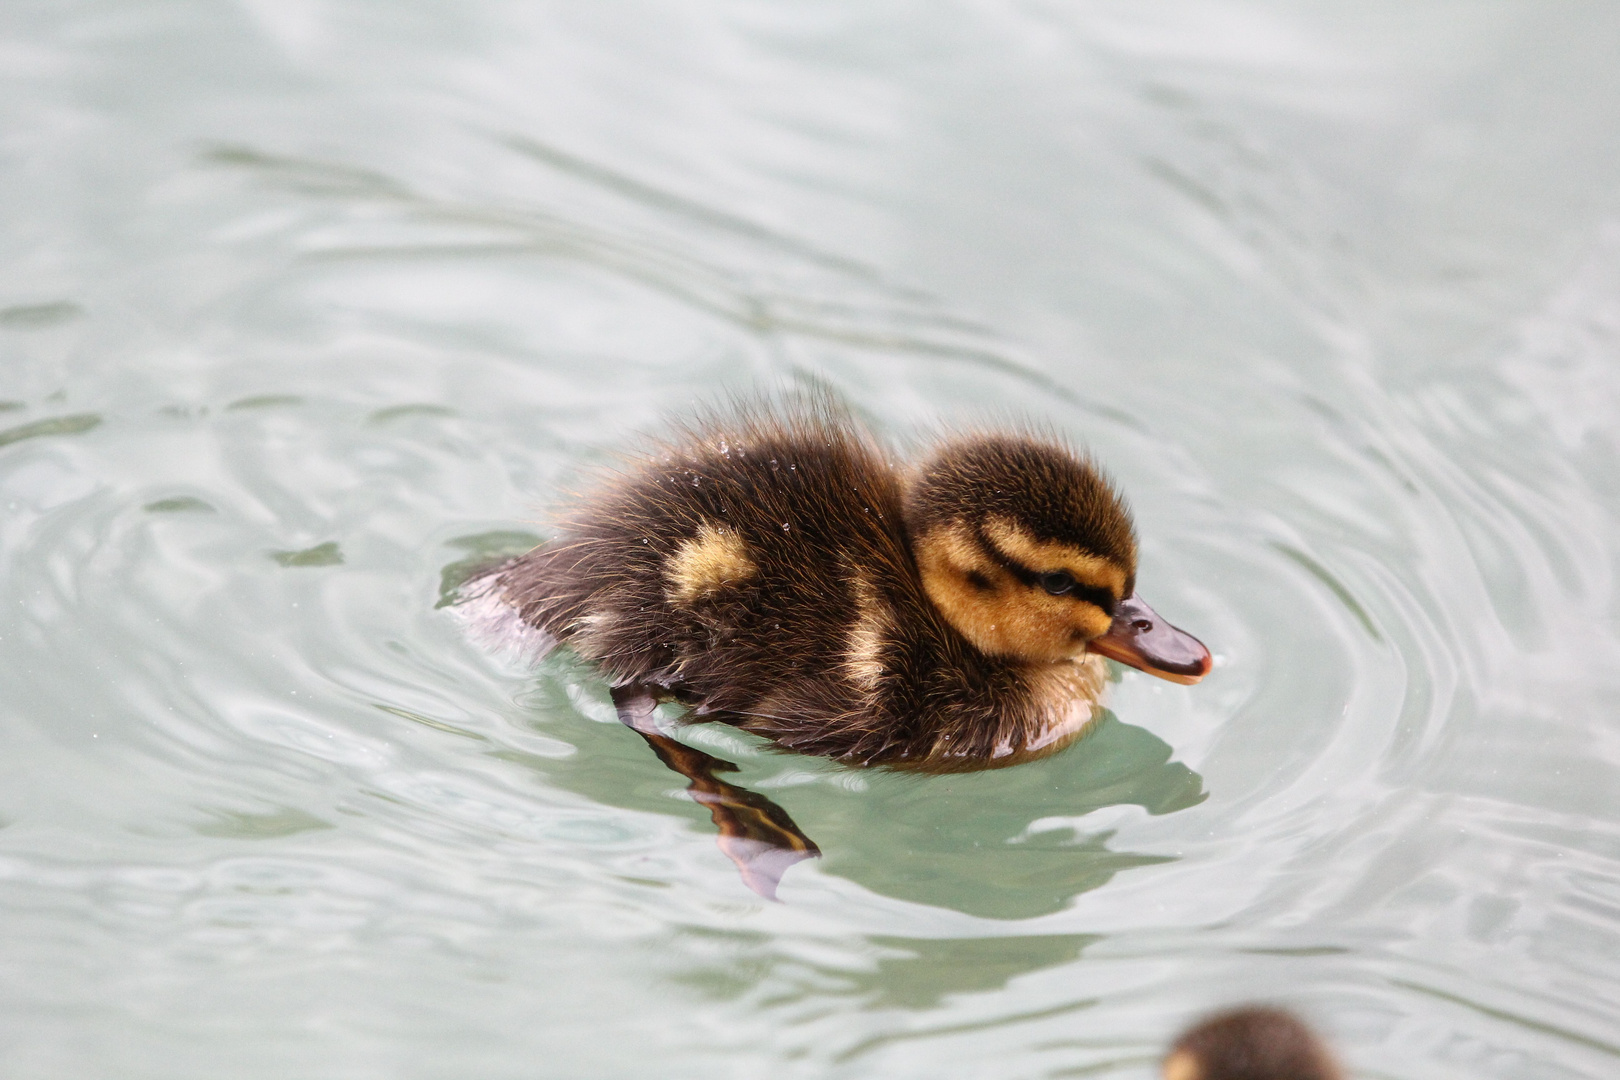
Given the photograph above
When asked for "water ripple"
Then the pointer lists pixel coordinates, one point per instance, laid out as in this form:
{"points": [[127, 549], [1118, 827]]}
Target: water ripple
{"points": [[1347, 341]]}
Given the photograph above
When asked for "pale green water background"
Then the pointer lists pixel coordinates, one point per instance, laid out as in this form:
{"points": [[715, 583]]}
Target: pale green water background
{"points": [[302, 302]]}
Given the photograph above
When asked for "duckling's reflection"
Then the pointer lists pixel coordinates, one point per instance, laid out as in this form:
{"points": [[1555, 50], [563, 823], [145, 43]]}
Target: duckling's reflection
{"points": [[961, 841], [1013, 843], [920, 973]]}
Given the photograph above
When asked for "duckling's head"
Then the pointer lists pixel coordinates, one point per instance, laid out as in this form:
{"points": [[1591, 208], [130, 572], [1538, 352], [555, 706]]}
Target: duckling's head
{"points": [[1029, 552]]}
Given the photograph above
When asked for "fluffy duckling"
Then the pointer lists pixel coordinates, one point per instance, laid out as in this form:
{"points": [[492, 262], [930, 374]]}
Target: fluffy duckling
{"points": [[771, 569], [1250, 1043]]}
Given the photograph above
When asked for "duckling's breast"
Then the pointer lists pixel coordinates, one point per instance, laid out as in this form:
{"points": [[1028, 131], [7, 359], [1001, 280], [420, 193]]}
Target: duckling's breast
{"points": [[1064, 700]]}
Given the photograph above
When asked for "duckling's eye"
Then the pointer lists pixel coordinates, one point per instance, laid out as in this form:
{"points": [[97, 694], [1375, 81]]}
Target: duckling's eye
{"points": [[1057, 582]]}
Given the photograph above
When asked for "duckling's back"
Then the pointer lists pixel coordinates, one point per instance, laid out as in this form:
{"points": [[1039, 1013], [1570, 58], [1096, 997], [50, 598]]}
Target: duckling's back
{"points": [[756, 569]]}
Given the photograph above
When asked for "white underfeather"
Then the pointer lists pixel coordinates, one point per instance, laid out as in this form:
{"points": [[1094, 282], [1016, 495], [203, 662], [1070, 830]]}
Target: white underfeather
{"points": [[495, 624]]}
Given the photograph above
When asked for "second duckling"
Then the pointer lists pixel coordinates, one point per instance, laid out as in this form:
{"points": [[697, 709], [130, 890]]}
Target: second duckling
{"points": [[1254, 1042]]}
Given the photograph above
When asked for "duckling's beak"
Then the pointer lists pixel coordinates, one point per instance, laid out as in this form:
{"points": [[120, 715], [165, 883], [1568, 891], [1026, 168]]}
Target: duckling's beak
{"points": [[1140, 638]]}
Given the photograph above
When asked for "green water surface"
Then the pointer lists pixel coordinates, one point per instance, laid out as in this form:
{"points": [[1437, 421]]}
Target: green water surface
{"points": [[306, 306]]}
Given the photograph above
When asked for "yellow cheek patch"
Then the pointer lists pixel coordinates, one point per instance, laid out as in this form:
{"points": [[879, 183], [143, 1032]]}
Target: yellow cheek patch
{"points": [[1008, 618], [951, 564], [710, 561], [1033, 626], [1045, 556]]}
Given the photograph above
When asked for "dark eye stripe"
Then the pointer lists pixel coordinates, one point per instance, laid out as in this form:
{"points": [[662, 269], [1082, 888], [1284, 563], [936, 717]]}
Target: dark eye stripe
{"points": [[1091, 594]]}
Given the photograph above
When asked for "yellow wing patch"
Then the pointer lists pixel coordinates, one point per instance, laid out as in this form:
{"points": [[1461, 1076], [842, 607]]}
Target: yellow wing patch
{"points": [[710, 561], [873, 626]]}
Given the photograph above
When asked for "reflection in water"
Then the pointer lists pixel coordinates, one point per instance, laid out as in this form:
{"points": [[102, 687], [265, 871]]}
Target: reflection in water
{"points": [[1012, 845], [39, 316], [911, 976], [327, 554], [1006, 844], [56, 425], [921, 972], [265, 401], [180, 504], [284, 821]]}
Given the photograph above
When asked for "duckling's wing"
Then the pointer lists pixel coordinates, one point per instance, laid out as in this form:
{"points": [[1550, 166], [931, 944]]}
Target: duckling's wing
{"points": [[755, 833]]}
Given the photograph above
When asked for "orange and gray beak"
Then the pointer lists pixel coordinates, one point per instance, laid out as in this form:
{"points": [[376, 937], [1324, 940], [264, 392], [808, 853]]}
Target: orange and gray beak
{"points": [[1140, 638]]}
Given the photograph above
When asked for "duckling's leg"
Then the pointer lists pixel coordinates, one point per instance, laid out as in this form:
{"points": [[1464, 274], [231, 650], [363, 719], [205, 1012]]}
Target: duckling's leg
{"points": [[755, 833]]}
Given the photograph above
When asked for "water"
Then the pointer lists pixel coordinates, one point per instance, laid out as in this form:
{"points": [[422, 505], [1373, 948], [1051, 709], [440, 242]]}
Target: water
{"points": [[305, 304]]}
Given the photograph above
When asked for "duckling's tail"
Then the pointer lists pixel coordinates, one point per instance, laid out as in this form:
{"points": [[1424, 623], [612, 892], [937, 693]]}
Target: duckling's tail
{"points": [[494, 623]]}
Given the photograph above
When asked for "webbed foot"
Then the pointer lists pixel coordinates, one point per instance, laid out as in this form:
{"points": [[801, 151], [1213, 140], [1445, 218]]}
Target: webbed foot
{"points": [[755, 833]]}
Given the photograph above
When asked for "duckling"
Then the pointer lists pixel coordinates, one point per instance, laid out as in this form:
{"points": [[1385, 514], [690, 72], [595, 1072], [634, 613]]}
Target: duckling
{"points": [[771, 569], [1250, 1043]]}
